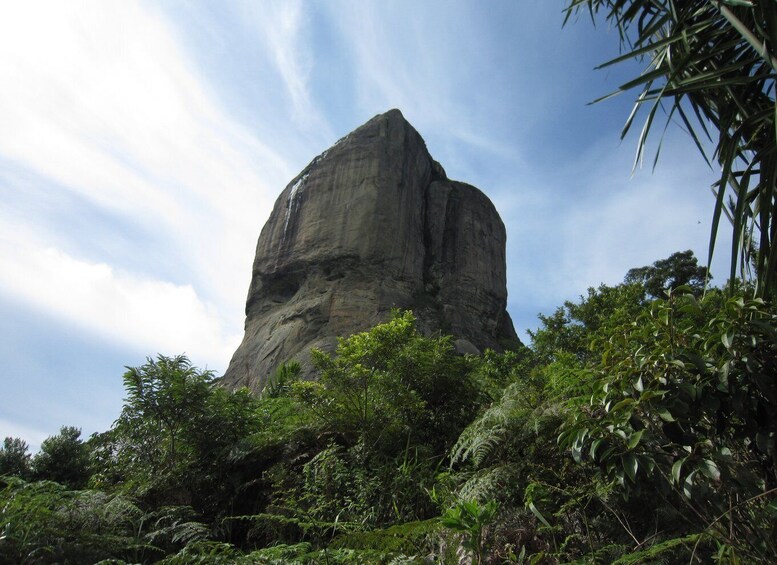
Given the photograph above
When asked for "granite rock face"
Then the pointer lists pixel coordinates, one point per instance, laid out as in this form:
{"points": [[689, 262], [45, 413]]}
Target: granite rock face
{"points": [[372, 224]]}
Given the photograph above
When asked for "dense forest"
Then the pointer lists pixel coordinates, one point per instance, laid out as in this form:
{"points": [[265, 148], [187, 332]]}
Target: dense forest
{"points": [[639, 427]]}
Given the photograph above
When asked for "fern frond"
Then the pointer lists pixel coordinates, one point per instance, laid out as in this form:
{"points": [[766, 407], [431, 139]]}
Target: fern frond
{"points": [[488, 432], [487, 484]]}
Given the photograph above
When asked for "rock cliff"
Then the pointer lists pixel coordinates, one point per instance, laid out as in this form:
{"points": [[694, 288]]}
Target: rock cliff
{"points": [[372, 224]]}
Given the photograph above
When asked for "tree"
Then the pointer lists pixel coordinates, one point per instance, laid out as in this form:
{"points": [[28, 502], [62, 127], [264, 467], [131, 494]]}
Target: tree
{"points": [[680, 269], [570, 329], [390, 403], [14, 459], [63, 458], [392, 385], [164, 396], [175, 433], [573, 326], [712, 67], [680, 408]]}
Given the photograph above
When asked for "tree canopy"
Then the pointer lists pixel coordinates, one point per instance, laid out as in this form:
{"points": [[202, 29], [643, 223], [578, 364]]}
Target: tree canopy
{"points": [[63, 458], [663, 276], [14, 457]]}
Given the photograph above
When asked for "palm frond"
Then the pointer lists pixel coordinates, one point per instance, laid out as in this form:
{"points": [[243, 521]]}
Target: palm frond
{"points": [[718, 60]]}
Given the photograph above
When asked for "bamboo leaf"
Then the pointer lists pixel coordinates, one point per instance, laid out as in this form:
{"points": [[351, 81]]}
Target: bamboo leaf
{"points": [[538, 514], [718, 57]]}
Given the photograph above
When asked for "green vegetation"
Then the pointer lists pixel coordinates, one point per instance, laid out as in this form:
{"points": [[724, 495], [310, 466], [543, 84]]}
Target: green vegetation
{"points": [[634, 430], [641, 426]]}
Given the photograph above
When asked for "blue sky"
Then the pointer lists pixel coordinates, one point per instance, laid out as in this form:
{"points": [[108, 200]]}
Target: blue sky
{"points": [[142, 145]]}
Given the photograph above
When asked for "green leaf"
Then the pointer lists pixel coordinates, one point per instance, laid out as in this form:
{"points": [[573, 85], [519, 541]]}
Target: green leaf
{"points": [[688, 484], [538, 514], [630, 465], [594, 447], [452, 523], [688, 389], [727, 339], [664, 414], [677, 469], [651, 394], [634, 439], [622, 404], [762, 441], [471, 507], [697, 361], [710, 469], [576, 453], [692, 307], [577, 445]]}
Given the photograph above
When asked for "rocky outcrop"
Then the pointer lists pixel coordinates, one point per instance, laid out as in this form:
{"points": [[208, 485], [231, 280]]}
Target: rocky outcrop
{"points": [[372, 224]]}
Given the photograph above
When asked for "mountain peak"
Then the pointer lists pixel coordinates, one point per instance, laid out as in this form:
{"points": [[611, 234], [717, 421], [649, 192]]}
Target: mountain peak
{"points": [[370, 225]]}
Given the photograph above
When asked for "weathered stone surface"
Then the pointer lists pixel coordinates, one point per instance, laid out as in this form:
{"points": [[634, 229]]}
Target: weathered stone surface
{"points": [[369, 225]]}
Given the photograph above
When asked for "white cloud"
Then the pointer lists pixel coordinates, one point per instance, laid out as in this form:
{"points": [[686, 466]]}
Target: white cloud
{"points": [[143, 313], [98, 97]]}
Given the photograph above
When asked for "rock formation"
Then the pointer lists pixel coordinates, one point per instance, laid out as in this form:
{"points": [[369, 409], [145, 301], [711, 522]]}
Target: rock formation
{"points": [[372, 224]]}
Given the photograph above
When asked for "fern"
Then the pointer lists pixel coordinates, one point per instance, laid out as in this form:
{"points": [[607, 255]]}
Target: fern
{"points": [[280, 383], [174, 525], [486, 433], [497, 426], [405, 538], [664, 552], [487, 484], [205, 553], [479, 440], [280, 554]]}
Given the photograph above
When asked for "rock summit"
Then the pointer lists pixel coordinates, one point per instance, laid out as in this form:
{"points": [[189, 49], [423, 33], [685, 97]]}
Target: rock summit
{"points": [[372, 224]]}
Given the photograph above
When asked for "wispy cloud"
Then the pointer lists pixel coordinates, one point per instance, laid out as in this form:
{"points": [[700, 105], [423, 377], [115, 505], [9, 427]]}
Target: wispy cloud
{"points": [[455, 80], [142, 313], [400, 61], [100, 100], [605, 222], [284, 27]]}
